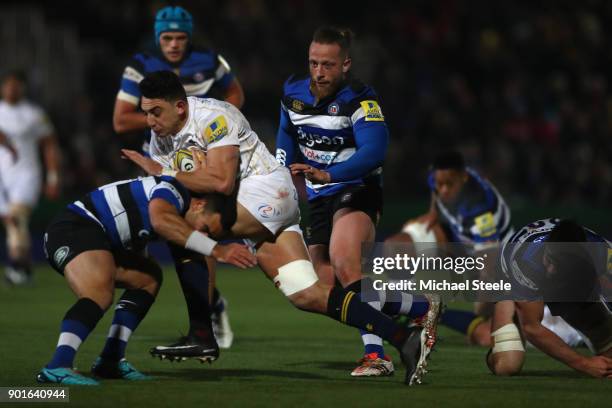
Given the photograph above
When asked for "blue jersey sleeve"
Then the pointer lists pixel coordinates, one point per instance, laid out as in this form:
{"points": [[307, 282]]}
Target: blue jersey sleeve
{"points": [[223, 74], [285, 139], [170, 190], [371, 140], [132, 75]]}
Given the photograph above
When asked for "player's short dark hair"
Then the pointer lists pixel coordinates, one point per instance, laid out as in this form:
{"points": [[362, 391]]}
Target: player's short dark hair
{"points": [[17, 74], [162, 85], [334, 35], [567, 231], [450, 160], [225, 205], [576, 273]]}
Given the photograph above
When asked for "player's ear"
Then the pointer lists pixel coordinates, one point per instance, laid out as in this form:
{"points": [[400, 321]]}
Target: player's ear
{"points": [[198, 204], [181, 106], [346, 65]]}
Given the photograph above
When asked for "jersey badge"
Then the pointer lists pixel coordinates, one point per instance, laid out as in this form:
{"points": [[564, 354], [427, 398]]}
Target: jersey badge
{"points": [[297, 105], [333, 109], [198, 77]]}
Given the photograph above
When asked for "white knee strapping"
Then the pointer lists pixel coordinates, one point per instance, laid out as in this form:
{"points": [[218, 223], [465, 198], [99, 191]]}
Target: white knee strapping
{"points": [[295, 277], [507, 338]]}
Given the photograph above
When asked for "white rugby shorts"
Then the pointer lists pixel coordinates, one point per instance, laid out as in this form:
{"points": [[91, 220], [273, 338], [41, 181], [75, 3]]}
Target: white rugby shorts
{"points": [[272, 199]]}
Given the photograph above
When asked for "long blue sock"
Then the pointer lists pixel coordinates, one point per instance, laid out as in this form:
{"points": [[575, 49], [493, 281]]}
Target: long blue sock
{"points": [[129, 312], [193, 276], [459, 320], [405, 304], [372, 343], [78, 322], [346, 307]]}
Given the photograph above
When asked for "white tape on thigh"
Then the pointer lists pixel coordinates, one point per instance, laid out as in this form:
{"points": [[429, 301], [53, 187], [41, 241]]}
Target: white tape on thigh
{"points": [[418, 232], [507, 338], [295, 277]]}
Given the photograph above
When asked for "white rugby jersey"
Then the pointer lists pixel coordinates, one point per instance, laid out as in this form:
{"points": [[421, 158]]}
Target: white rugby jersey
{"points": [[24, 124], [213, 123]]}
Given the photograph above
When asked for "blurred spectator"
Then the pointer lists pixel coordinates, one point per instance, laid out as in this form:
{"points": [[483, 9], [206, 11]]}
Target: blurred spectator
{"points": [[521, 88]]}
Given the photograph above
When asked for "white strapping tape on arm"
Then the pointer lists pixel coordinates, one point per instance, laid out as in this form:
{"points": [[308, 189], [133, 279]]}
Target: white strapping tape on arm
{"points": [[507, 338], [200, 243], [418, 232], [295, 277]]}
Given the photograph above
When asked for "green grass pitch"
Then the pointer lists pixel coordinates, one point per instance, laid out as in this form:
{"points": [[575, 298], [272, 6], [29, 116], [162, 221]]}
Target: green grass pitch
{"points": [[280, 357]]}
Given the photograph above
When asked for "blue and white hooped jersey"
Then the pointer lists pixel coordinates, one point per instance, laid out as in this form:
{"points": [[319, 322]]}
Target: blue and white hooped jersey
{"points": [[480, 214], [201, 73], [329, 133], [521, 255], [122, 208]]}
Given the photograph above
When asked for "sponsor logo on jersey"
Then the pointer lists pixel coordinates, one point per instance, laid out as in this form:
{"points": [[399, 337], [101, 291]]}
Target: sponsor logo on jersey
{"points": [[281, 156], [60, 255], [372, 111], [217, 130], [311, 139], [267, 211], [318, 155], [485, 224], [198, 77], [333, 109]]}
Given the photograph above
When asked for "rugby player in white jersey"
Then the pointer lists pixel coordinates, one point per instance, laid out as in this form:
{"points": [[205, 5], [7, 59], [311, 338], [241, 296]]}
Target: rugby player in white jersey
{"points": [[267, 206], [203, 73], [25, 128]]}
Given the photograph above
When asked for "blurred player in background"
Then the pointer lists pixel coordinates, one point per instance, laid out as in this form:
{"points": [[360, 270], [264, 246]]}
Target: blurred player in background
{"points": [[97, 243], [203, 73], [267, 212], [26, 129], [466, 209], [333, 132], [541, 270]]}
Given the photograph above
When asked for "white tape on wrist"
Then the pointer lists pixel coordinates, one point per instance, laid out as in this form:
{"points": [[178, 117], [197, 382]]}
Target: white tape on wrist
{"points": [[507, 338], [200, 243], [168, 172]]}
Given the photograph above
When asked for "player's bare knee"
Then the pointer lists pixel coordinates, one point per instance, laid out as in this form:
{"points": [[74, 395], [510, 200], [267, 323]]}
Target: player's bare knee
{"points": [[297, 280], [508, 354], [154, 278], [103, 298], [346, 270], [506, 363]]}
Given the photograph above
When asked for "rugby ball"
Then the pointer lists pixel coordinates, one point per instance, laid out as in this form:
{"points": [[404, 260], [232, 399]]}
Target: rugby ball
{"points": [[183, 160]]}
